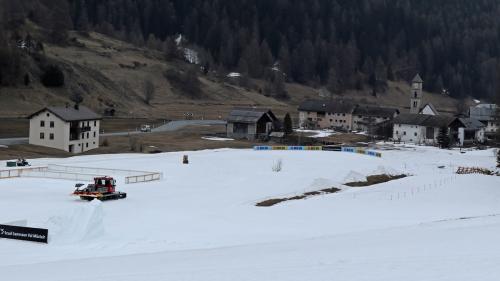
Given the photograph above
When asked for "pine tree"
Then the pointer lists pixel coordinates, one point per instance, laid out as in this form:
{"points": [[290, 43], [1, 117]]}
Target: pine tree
{"points": [[287, 124], [443, 138]]}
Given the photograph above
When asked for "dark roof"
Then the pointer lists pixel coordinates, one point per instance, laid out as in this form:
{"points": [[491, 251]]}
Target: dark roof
{"points": [[70, 113], [417, 79], [484, 112], [249, 115], [335, 106], [471, 123], [424, 120], [370, 110]]}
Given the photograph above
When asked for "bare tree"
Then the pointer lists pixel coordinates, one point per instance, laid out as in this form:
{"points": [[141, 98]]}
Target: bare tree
{"points": [[149, 91]]}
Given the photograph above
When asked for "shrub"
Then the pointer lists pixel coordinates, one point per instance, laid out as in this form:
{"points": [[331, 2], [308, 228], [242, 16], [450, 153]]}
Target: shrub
{"points": [[53, 76]]}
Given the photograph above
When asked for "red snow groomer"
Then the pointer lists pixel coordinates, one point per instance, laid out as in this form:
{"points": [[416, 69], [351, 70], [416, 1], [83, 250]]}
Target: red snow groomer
{"points": [[103, 189]]}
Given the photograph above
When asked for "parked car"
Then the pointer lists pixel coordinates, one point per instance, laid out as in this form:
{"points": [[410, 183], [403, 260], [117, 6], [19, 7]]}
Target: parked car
{"points": [[145, 128]]}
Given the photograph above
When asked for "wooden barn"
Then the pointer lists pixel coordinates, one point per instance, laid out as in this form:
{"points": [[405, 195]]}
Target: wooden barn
{"points": [[250, 123]]}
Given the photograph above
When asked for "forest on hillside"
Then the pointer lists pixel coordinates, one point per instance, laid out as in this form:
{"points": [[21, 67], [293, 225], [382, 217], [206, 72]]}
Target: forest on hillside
{"points": [[340, 44]]}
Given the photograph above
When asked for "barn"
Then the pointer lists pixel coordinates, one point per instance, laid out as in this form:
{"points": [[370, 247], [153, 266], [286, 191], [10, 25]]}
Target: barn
{"points": [[250, 123]]}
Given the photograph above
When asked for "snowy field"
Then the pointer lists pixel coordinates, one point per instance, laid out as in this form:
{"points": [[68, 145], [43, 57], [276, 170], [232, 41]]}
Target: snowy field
{"points": [[201, 223]]}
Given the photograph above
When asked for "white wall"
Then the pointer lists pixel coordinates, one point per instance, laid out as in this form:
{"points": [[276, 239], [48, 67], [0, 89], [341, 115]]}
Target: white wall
{"points": [[88, 140], [408, 133], [60, 131], [427, 110]]}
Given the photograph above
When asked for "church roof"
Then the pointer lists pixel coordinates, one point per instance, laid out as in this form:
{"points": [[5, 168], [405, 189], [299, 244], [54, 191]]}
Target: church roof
{"points": [[417, 79]]}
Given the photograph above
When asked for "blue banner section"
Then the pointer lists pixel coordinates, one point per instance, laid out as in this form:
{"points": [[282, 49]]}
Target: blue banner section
{"points": [[326, 148]]}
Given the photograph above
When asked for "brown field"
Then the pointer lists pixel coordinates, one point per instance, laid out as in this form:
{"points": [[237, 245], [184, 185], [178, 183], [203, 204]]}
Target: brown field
{"points": [[186, 139]]}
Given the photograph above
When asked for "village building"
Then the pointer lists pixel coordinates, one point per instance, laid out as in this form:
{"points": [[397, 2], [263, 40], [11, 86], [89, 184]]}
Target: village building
{"points": [[319, 114], [72, 129], [367, 117], [422, 124], [424, 129], [486, 114], [250, 123], [343, 115]]}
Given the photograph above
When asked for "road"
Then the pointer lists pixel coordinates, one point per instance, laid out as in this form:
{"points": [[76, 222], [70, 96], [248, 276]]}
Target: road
{"points": [[169, 127]]}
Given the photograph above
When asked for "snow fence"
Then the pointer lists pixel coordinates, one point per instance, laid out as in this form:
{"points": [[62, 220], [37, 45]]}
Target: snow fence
{"points": [[54, 171]]}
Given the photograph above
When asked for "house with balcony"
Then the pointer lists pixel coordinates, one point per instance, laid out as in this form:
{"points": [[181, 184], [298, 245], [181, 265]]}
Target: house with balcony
{"points": [[72, 129]]}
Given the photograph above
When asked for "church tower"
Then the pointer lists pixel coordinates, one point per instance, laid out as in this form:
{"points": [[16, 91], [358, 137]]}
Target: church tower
{"points": [[416, 94]]}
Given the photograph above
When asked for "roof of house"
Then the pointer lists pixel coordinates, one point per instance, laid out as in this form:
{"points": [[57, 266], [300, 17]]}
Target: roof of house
{"points": [[485, 112], [70, 113], [424, 120], [249, 115], [417, 79], [431, 106], [471, 123], [337, 106], [370, 110]]}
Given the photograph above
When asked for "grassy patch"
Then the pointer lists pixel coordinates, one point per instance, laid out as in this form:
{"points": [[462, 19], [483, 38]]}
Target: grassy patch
{"points": [[375, 179], [274, 201]]}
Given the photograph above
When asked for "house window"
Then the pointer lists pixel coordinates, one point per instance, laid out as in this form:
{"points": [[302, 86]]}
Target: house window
{"points": [[48, 114], [83, 135], [343, 114], [94, 134], [42, 136], [42, 123], [87, 135], [51, 136], [415, 133], [87, 145], [404, 133], [52, 124], [95, 123], [397, 132], [94, 142], [331, 120]]}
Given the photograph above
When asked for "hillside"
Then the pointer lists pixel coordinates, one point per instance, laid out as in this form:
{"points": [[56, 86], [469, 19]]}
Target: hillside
{"points": [[109, 73]]}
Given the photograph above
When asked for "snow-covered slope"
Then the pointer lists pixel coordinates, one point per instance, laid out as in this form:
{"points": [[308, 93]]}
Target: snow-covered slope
{"points": [[201, 223]]}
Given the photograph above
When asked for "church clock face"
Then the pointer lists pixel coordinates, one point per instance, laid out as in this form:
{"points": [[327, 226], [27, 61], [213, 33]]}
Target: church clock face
{"points": [[416, 86]]}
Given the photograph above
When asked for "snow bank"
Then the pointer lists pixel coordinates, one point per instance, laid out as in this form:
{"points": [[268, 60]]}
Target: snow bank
{"points": [[354, 176], [217, 139], [82, 223], [318, 133]]}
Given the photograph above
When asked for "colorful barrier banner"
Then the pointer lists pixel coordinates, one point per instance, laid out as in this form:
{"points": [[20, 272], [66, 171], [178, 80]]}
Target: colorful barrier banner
{"points": [[316, 148], [285, 147]]}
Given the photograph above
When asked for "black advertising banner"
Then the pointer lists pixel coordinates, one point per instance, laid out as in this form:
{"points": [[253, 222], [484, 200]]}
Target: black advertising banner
{"points": [[24, 233]]}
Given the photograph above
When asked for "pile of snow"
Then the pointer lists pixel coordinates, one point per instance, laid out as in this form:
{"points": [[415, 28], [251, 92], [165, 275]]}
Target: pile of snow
{"points": [[354, 176], [383, 170], [234, 75], [217, 139], [84, 222], [317, 133]]}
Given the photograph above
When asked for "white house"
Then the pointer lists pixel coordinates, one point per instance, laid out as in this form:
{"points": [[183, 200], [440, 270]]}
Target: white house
{"points": [[72, 129], [424, 129], [419, 128]]}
